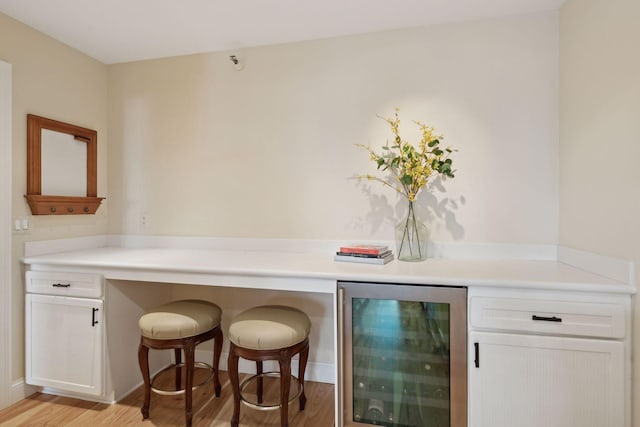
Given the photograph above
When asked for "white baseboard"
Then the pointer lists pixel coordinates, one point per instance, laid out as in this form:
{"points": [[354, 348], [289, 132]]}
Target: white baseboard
{"points": [[316, 371], [109, 399], [21, 390]]}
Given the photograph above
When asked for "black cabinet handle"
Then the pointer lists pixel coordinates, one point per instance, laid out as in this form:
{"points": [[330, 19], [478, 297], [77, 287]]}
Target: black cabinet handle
{"points": [[61, 285], [94, 322], [477, 351], [547, 319]]}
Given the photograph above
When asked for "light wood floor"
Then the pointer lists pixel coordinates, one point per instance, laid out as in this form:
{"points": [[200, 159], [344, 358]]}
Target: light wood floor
{"points": [[52, 411]]}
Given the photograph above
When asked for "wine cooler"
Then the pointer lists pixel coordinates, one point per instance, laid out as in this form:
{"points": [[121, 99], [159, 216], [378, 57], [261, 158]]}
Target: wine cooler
{"points": [[404, 355]]}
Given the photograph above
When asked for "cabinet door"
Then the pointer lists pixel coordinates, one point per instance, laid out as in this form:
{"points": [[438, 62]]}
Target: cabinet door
{"points": [[526, 380], [65, 343]]}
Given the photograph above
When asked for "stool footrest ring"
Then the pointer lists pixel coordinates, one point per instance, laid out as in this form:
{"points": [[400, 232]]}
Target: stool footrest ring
{"points": [[262, 407], [181, 391]]}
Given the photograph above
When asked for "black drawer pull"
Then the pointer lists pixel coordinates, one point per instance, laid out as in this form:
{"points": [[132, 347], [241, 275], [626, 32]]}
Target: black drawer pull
{"points": [[547, 319], [61, 285]]}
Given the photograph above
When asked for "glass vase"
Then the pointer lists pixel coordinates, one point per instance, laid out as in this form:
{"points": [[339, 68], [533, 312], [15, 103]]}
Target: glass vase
{"points": [[411, 237]]}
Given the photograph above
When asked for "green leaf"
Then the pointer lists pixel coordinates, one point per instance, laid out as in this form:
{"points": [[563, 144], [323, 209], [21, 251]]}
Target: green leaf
{"points": [[448, 161], [438, 152], [406, 179], [433, 143], [380, 162]]}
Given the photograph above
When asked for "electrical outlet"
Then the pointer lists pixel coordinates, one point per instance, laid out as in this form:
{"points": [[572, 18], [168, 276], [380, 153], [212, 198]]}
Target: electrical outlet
{"points": [[144, 220]]}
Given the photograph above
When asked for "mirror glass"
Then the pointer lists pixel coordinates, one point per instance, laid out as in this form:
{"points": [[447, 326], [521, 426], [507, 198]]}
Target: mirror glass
{"points": [[64, 164]]}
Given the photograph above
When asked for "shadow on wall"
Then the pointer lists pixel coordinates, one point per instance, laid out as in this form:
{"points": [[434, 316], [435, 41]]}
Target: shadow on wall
{"points": [[441, 209], [434, 208]]}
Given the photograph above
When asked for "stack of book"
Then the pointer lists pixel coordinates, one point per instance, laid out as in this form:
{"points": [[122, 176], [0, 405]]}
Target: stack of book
{"points": [[368, 254]]}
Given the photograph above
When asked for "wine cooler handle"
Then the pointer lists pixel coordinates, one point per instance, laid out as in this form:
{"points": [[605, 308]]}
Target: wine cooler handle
{"points": [[340, 356], [477, 351]]}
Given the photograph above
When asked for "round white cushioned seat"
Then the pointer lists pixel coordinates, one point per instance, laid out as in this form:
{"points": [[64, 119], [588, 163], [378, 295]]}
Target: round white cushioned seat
{"points": [[269, 327], [180, 319]]}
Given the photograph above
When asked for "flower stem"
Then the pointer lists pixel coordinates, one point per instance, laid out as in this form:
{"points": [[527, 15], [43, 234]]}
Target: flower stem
{"points": [[415, 229], [410, 237], [404, 233]]}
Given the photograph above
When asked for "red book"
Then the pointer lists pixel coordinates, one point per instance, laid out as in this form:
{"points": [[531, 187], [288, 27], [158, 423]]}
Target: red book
{"points": [[364, 249]]}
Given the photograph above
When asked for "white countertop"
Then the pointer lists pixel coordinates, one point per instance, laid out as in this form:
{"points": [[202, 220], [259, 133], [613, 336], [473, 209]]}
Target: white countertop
{"points": [[318, 271]]}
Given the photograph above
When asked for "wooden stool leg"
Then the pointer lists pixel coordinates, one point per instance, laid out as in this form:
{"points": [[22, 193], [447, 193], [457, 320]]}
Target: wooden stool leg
{"points": [[285, 385], [189, 356], [143, 361], [235, 384], [178, 353], [259, 382], [217, 350], [304, 356]]}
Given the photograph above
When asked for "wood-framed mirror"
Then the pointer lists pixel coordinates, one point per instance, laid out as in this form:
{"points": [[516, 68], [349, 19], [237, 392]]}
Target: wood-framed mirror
{"points": [[61, 168]]}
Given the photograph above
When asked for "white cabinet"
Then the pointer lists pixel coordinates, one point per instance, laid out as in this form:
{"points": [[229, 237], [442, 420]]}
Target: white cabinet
{"points": [[547, 360], [528, 380], [65, 335]]}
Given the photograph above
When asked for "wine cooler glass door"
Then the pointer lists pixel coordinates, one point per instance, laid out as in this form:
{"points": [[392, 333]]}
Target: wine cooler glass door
{"points": [[405, 355]]}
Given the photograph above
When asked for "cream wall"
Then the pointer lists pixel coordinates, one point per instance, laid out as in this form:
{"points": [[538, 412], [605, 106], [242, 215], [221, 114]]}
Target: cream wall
{"points": [[600, 134], [52, 80], [202, 149], [199, 148]]}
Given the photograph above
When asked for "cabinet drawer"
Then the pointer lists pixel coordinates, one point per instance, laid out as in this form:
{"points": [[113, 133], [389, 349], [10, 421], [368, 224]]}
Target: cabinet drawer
{"points": [[63, 283], [547, 316]]}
